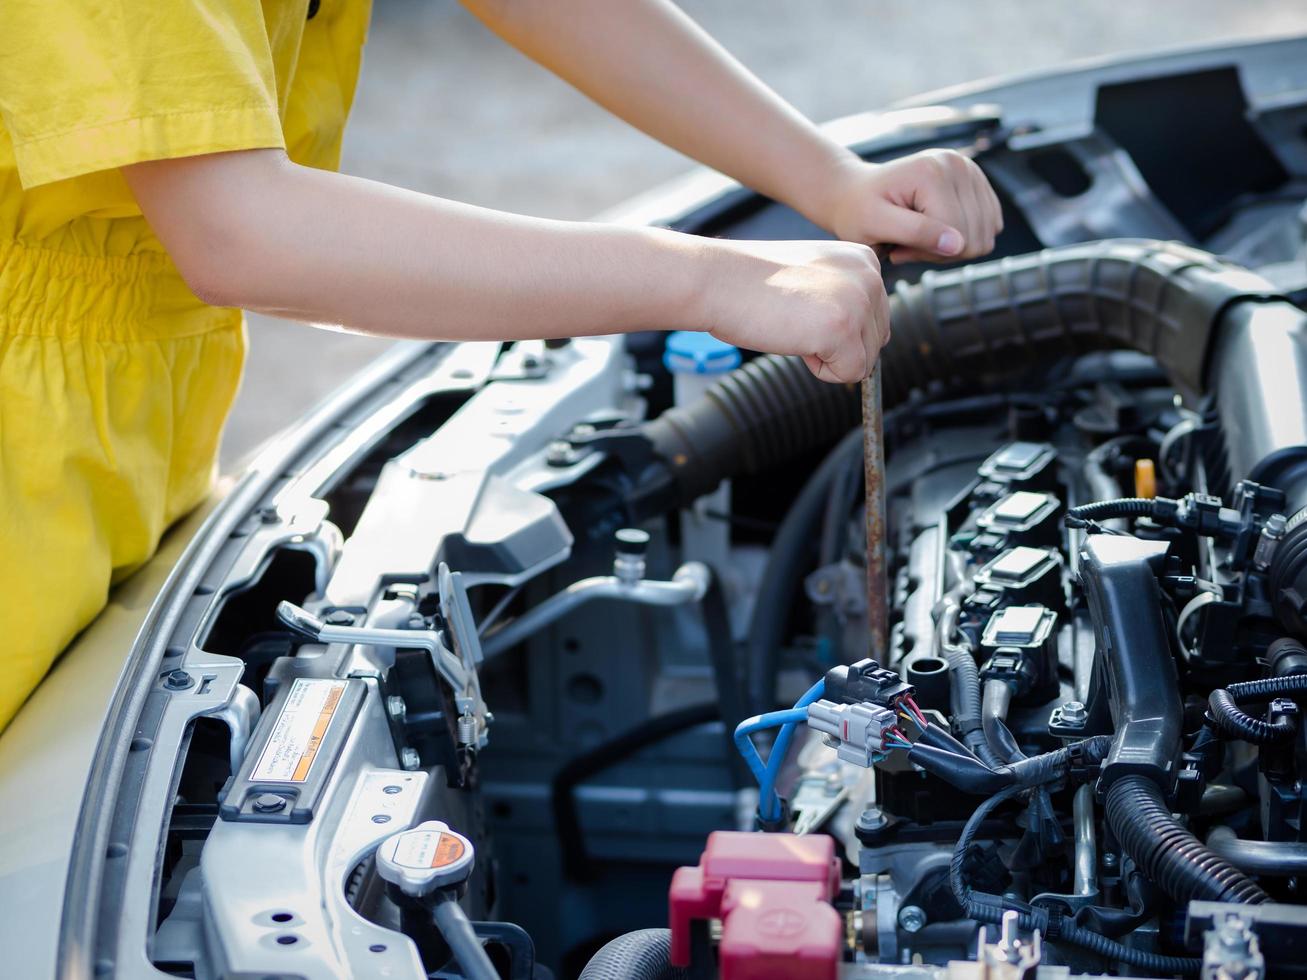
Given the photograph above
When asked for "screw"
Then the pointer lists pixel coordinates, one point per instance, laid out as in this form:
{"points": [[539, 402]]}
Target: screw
{"points": [[392, 789], [339, 617], [178, 680], [530, 362], [1074, 713], [269, 515], [872, 818], [409, 758], [396, 708], [269, 803], [381, 818], [912, 918], [1109, 860]]}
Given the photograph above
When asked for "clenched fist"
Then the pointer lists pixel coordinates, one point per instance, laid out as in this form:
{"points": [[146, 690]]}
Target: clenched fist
{"points": [[932, 206], [823, 301]]}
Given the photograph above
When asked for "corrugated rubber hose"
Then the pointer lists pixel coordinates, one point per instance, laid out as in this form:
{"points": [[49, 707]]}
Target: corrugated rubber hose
{"points": [[1168, 854], [640, 955], [976, 323]]}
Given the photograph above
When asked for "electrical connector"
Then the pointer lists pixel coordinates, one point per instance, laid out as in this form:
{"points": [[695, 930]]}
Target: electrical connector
{"points": [[867, 681], [862, 734]]}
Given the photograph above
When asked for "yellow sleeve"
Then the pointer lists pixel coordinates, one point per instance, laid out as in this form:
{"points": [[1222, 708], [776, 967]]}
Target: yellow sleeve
{"points": [[89, 85]]}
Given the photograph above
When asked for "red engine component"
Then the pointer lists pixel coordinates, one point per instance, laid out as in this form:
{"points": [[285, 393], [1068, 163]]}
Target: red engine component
{"points": [[772, 893]]}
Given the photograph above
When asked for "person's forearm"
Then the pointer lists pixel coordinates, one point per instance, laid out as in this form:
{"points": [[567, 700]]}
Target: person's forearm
{"points": [[318, 246], [648, 63]]}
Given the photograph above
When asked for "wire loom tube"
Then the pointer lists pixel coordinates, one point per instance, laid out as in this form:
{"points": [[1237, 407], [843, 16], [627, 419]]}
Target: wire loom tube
{"points": [[1167, 853], [1227, 717], [988, 320], [1054, 926], [640, 955]]}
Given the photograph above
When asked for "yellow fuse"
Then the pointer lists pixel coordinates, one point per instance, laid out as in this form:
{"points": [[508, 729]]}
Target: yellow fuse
{"points": [[1145, 479]]}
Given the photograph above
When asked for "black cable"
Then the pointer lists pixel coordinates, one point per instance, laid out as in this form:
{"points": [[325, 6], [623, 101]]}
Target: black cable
{"points": [[571, 839], [1106, 510], [1054, 927], [792, 553], [1226, 717], [732, 699]]}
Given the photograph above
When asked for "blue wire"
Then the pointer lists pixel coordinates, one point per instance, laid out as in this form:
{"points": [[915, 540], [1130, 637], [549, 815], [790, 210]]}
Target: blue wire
{"points": [[757, 723], [769, 803]]}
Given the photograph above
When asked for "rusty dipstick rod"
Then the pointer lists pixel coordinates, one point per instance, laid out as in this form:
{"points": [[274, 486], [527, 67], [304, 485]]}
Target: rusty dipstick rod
{"points": [[873, 455]]}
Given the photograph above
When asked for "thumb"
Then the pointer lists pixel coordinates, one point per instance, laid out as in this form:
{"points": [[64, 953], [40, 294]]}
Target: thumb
{"points": [[912, 229]]}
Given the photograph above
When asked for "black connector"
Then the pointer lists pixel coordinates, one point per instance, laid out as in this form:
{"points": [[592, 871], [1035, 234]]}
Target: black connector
{"points": [[866, 681]]}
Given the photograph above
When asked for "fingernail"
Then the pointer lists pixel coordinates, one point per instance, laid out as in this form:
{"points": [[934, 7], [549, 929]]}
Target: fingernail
{"points": [[950, 243]]}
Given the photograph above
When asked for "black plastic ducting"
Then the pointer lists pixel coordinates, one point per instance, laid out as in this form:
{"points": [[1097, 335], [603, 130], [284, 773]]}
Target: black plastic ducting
{"points": [[974, 324]]}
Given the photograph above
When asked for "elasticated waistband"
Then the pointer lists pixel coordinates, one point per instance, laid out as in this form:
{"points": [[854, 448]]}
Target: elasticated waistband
{"points": [[47, 292]]}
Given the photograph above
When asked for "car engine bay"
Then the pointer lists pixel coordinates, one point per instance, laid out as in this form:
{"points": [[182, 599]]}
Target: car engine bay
{"points": [[494, 672]]}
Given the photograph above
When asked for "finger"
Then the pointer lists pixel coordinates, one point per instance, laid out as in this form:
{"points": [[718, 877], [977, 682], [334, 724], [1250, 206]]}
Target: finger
{"points": [[906, 228]]}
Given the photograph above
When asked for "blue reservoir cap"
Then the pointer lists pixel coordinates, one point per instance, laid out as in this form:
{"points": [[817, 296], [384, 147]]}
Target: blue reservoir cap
{"points": [[690, 352]]}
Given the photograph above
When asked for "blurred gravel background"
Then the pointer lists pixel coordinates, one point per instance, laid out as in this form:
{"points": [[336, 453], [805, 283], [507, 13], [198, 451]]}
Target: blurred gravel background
{"points": [[446, 108]]}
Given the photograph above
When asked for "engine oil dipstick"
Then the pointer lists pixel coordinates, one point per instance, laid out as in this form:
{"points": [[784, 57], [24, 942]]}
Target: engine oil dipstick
{"points": [[873, 456]]}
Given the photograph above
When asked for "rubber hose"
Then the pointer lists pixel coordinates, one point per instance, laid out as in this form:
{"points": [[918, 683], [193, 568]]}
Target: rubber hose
{"points": [[1233, 722], [640, 955], [463, 941], [1168, 854], [731, 694], [571, 837], [984, 321], [788, 561]]}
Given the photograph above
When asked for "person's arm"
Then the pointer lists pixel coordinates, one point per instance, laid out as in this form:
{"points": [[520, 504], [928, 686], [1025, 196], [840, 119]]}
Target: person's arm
{"points": [[252, 229], [648, 63]]}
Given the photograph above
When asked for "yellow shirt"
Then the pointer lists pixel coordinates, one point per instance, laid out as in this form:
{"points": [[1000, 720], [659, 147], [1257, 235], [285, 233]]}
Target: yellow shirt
{"points": [[114, 379]]}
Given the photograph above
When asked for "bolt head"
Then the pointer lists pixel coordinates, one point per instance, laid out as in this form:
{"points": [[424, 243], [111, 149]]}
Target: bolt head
{"points": [[409, 758], [561, 453], [1109, 860], [912, 918], [178, 680], [396, 708], [339, 617], [872, 818], [1074, 713]]}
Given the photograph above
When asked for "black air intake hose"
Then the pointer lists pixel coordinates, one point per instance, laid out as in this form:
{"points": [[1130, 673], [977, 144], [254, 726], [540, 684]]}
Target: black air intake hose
{"points": [[1167, 853], [640, 955], [986, 321]]}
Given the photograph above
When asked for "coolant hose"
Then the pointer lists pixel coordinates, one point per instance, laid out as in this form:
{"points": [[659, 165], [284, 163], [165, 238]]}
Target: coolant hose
{"points": [[985, 321], [640, 955], [1167, 853]]}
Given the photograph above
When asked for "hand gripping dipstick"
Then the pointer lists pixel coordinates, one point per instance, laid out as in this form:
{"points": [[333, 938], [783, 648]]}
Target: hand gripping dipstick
{"points": [[873, 455]]}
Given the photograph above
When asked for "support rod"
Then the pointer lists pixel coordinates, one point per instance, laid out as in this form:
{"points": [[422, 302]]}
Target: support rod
{"points": [[873, 454]]}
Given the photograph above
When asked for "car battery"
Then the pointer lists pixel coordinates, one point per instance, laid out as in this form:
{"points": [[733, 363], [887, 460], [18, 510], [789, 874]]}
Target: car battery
{"points": [[1028, 517], [1025, 576], [1022, 466]]}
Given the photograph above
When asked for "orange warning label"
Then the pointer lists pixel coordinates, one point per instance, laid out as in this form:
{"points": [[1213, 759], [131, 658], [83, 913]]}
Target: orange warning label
{"points": [[429, 849], [296, 737]]}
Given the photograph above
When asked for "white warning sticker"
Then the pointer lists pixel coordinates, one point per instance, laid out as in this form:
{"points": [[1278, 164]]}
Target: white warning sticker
{"points": [[298, 733], [428, 849]]}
